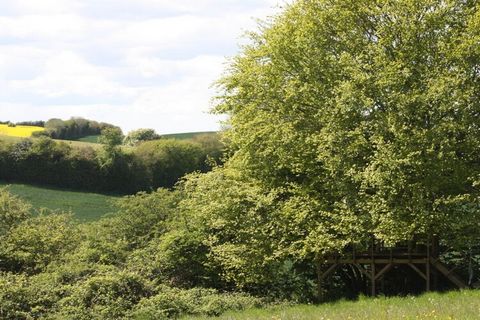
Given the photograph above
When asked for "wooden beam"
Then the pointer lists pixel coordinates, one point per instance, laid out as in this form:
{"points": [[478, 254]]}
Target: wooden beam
{"points": [[364, 271], [383, 271], [448, 273], [329, 271], [414, 267], [377, 260]]}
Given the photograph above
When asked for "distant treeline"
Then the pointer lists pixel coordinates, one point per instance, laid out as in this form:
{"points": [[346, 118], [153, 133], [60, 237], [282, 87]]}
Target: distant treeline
{"points": [[72, 129], [25, 123], [152, 164]]}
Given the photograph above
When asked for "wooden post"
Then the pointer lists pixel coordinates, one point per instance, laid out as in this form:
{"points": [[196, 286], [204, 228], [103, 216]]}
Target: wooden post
{"points": [[428, 275], [373, 273], [319, 279], [427, 265], [374, 289]]}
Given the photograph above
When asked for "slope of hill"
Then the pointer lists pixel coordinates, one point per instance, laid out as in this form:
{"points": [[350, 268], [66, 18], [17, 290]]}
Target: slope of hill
{"points": [[85, 206], [187, 135], [79, 143], [90, 139]]}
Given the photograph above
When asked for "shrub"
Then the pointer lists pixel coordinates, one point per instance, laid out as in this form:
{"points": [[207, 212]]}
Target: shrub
{"points": [[174, 302], [103, 296], [32, 244], [12, 211]]}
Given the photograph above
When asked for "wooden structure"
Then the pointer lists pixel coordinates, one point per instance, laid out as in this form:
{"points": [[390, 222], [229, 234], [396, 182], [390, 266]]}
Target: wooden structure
{"points": [[378, 260]]}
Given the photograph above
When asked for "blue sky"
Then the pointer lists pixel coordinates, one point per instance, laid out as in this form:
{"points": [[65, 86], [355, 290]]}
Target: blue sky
{"points": [[134, 63]]}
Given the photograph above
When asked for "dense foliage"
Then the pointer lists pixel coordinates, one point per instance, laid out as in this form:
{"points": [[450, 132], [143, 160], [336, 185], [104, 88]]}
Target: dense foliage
{"points": [[135, 137], [73, 129], [364, 117], [108, 169]]}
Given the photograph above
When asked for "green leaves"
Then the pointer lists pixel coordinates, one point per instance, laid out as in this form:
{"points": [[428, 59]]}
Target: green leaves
{"points": [[367, 110]]}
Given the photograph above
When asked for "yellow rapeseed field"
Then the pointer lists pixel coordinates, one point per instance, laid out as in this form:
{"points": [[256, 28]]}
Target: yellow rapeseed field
{"points": [[18, 131]]}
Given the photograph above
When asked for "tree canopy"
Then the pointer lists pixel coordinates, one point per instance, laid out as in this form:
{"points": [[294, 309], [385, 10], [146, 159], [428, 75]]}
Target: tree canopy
{"points": [[364, 116]]}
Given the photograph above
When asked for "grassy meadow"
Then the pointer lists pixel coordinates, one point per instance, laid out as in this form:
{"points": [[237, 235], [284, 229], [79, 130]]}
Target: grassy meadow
{"points": [[75, 144], [85, 206], [18, 131], [451, 305], [89, 139], [186, 135]]}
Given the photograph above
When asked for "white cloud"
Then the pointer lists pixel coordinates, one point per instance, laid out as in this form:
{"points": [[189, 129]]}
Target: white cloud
{"points": [[136, 63], [149, 66], [43, 6], [67, 73]]}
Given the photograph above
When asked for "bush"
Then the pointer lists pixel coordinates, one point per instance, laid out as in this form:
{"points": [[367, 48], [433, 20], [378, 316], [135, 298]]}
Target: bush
{"points": [[12, 211], [137, 136], [168, 160], [174, 302], [35, 242], [103, 296], [74, 128]]}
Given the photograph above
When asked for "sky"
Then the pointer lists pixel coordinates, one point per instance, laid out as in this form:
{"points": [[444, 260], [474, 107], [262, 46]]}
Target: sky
{"points": [[133, 63]]}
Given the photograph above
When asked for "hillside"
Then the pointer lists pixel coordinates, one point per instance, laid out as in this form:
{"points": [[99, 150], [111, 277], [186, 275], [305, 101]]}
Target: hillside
{"points": [[187, 135], [90, 139], [85, 206]]}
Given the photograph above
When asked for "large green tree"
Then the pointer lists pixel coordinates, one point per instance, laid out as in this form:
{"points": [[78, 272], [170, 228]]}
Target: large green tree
{"points": [[364, 116]]}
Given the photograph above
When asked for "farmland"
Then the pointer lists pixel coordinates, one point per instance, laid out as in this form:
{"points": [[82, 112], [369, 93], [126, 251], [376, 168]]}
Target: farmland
{"points": [[90, 139], [451, 305], [187, 135], [18, 131], [75, 144], [85, 206]]}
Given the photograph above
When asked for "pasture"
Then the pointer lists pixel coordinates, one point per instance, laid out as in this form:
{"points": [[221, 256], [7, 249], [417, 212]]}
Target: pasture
{"points": [[85, 206], [89, 139], [74, 144], [186, 135], [451, 305], [18, 131]]}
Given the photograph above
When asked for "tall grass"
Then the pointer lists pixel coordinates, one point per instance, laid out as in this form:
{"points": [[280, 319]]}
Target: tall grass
{"points": [[451, 305]]}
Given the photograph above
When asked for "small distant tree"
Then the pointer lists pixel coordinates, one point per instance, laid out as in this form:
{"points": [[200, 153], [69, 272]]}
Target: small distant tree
{"points": [[137, 136], [111, 137]]}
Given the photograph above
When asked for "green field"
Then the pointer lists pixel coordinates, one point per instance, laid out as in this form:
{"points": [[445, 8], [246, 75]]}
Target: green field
{"points": [[89, 139], [451, 305], [85, 206], [79, 143], [187, 135]]}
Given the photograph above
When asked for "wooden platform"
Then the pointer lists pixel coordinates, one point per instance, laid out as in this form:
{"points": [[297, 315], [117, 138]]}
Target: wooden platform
{"points": [[375, 262]]}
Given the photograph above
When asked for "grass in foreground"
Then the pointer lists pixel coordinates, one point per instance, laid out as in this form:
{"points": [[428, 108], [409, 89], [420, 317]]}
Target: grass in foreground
{"points": [[85, 206], [451, 305]]}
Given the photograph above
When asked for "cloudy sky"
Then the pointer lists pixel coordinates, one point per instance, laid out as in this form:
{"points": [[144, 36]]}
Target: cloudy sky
{"points": [[134, 63]]}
